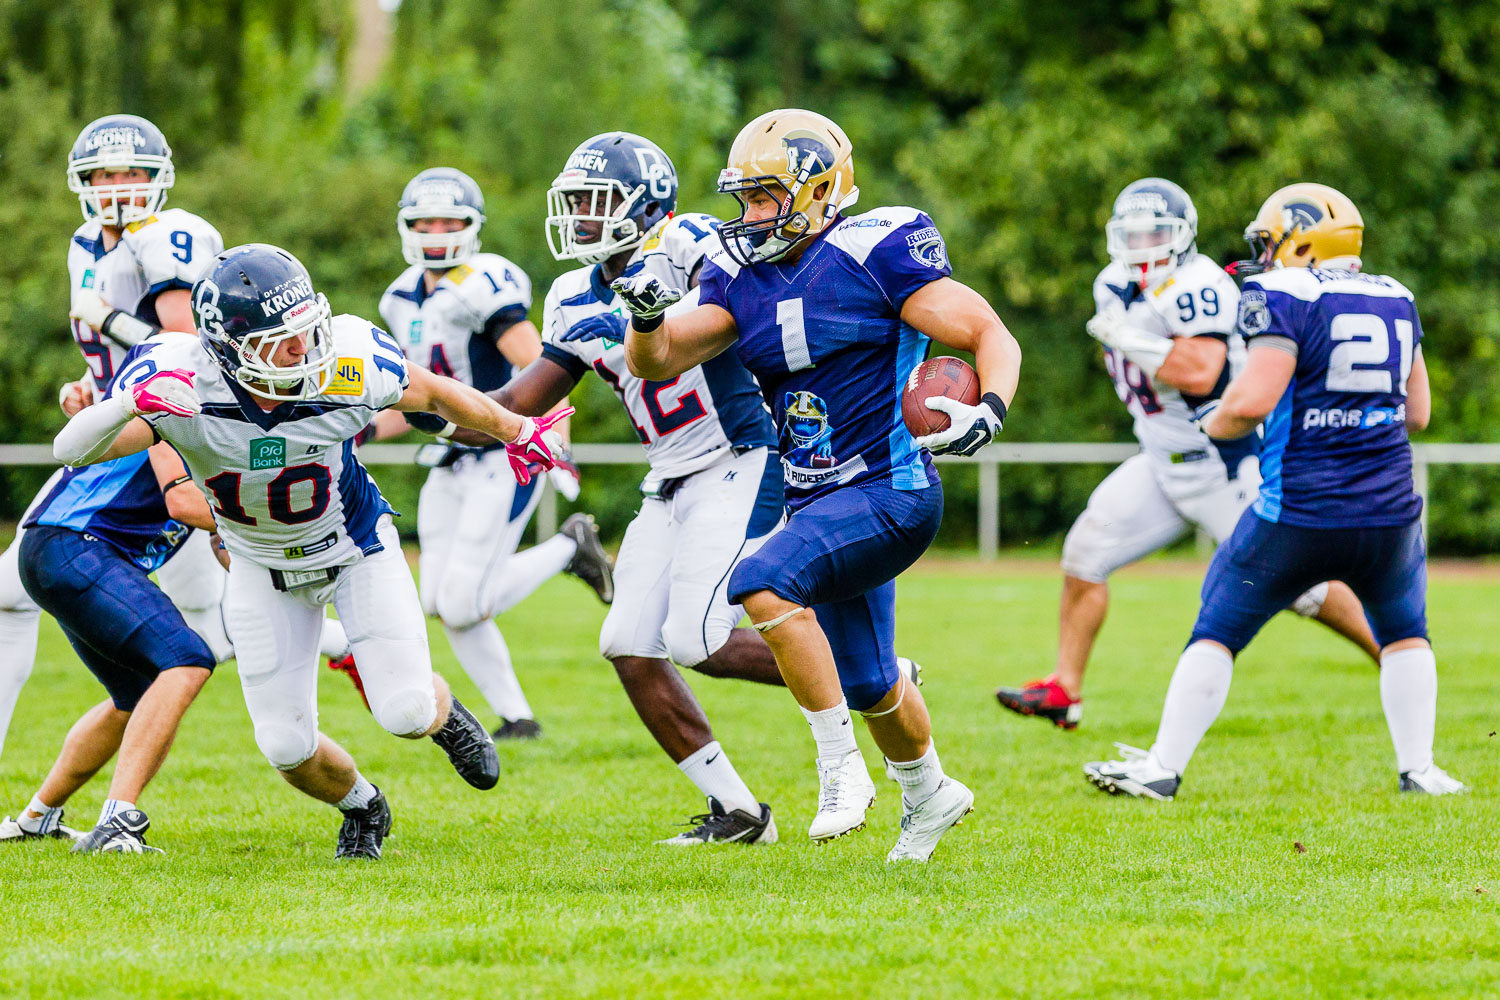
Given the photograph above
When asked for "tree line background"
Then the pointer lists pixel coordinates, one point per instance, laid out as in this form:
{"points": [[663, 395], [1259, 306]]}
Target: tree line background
{"points": [[1014, 124]]}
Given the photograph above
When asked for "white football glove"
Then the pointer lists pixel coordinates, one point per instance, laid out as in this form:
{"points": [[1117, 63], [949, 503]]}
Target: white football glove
{"points": [[970, 427], [1147, 350], [564, 475], [645, 295], [89, 307]]}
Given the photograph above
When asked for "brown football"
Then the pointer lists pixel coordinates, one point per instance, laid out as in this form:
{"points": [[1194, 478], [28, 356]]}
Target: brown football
{"points": [[942, 376]]}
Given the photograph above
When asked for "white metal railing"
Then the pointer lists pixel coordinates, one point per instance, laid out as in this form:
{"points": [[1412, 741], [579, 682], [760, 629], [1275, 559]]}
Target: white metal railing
{"points": [[989, 462]]}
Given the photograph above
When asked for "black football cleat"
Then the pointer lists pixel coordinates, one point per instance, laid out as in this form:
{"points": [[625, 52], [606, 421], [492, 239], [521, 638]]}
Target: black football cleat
{"points": [[364, 830], [590, 563], [518, 729], [469, 748], [720, 827], [122, 833]]}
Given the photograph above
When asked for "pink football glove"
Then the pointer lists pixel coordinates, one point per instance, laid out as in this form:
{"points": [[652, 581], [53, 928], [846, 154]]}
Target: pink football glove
{"points": [[166, 392], [535, 445]]}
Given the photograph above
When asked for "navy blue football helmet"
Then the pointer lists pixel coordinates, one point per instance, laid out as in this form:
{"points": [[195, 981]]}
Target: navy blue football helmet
{"points": [[614, 190], [249, 302], [118, 143], [1153, 229], [440, 193]]}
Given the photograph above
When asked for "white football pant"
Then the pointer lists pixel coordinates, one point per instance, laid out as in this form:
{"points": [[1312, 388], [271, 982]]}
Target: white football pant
{"points": [[1129, 516], [470, 518], [672, 573], [276, 637]]}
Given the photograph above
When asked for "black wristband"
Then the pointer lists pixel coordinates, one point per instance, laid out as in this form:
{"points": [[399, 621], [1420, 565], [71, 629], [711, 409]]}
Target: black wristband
{"points": [[995, 403], [646, 324], [176, 483]]}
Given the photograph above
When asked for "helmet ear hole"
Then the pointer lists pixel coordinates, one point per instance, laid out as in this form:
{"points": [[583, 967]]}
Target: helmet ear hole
{"points": [[1302, 250]]}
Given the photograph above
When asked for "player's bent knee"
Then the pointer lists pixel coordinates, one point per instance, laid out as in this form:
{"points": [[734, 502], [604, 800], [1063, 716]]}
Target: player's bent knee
{"points": [[285, 747], [1081, 559], [457, 605], [407, 713], [1310, 604], [864, 695], [691, 642]]}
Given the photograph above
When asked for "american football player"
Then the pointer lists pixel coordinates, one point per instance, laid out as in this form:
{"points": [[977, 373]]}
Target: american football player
{"points": [[462, 313], [1335, 373], [822, 305], [263, 406], [1165, 316]]}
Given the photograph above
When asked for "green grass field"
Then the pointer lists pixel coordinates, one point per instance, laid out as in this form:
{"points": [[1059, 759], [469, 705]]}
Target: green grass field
{"points": [[551, 884]]}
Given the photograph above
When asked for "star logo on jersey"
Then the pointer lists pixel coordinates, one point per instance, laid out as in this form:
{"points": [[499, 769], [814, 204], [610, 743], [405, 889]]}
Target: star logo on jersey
{"points": [[267, 453]]}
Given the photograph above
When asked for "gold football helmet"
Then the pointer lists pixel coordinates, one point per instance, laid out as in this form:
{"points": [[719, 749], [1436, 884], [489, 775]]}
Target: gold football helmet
{"points": [[802, 161], [1304, 225]]}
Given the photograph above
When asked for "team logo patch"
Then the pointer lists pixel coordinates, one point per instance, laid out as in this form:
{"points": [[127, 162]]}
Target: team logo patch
{"points": [[414, 335], [348, 378], [88, 278], [1255, 314], [268, 453], [808, 434], [927, 248]]}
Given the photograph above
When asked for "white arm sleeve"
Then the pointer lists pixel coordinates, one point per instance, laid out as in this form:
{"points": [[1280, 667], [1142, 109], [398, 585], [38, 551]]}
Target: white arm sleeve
{"points": [[92, 430]]}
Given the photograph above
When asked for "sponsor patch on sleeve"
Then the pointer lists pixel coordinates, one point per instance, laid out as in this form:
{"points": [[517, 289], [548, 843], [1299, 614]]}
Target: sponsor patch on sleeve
{"points": [[348, 378]]}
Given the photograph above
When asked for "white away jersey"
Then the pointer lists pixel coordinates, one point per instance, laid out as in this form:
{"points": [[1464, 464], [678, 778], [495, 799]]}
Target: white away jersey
{"points": [[1198, 299], [445, 331], [286, 488], [688, 422], [168, 250], [85, 256]]}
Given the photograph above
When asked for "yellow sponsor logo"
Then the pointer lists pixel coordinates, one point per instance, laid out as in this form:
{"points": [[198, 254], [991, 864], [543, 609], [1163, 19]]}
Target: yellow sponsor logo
{"points": [[348, 378], [1163, 287], [459, 273], [136, 227], [651, 244]]}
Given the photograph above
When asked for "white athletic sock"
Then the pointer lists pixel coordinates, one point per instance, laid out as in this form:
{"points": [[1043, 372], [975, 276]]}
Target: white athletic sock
{"points": [[335, 642], [918, 778], [46, 819], [708, 767], [1196, 696], [18, 629], [360, 795], [485, 658], [1408, 692], [209, 624], [523, 572], [832, 731], [113, 807]]}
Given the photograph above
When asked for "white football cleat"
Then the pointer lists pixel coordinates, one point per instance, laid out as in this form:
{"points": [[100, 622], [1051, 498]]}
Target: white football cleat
{"points": [[1432, 780], [1139, 774], [845, 791], [10, 829], [924, 824]]}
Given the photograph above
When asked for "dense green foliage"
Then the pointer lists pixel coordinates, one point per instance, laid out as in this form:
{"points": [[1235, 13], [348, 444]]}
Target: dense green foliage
{"points": [[550, 885], [1014, 124]]}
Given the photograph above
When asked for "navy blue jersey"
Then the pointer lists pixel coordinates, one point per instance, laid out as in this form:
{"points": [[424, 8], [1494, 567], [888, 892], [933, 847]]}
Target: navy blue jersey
{"points": [[823, 335], [1336, 453], [119, 502]]}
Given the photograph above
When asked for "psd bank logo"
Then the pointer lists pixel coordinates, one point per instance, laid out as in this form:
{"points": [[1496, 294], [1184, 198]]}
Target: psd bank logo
{"points": [[268, 453]]}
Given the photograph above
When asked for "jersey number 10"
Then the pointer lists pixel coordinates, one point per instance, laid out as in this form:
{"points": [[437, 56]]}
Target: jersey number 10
{"points": [[226, 490]]}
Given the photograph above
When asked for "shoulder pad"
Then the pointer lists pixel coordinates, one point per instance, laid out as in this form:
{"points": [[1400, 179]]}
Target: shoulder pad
{"points": [[859, 235]]}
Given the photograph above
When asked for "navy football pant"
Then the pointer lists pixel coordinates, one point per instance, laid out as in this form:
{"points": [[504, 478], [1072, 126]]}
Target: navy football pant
{"points": [[122, 626], [1264, 566], [840, 555]]}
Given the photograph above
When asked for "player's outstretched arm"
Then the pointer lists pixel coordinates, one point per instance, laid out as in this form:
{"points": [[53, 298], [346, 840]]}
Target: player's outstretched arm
{"points": [[458, 404], [113, 428], [539, 388], [1252, 395], [657, 348]]}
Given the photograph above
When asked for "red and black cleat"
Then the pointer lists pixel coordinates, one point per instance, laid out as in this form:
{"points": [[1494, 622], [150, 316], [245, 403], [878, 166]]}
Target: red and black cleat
{"points": [[1045, 699], [346, 667]]}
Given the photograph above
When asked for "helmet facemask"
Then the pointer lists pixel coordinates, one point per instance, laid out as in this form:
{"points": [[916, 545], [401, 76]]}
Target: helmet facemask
{"points": [[122, 209], [607, 202], [248, 359], [801, 212], [1147, 245], [454, 248]]}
